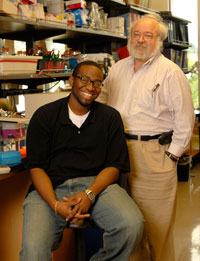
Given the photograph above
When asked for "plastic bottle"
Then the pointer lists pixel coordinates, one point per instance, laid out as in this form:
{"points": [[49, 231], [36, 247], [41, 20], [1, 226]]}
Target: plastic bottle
{"points": [[11, 145]]}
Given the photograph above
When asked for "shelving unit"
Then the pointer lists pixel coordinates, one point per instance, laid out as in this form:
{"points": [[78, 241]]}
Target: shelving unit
{"points": [[177, 43], [30, 30], [84, 39]]}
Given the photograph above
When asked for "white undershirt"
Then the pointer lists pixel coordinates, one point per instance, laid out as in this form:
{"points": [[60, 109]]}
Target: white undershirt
{"points": [[78, 120]]}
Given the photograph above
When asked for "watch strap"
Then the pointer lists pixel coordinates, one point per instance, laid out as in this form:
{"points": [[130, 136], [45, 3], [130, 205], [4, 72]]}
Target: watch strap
{"points": [[171, 156]]}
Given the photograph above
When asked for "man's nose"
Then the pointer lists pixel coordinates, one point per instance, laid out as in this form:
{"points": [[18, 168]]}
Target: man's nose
{"points": [[90, 86], [141, 38]]}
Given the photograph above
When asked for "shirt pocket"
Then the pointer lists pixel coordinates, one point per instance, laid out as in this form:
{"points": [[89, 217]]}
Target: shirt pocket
{"points": [[145, 98]]}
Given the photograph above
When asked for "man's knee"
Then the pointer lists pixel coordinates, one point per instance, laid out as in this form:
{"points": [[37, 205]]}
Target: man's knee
{"points": [[133, 223]]}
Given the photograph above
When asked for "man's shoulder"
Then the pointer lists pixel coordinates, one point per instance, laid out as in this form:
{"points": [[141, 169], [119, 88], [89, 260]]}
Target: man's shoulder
{"points": [[169, 63], [128, 59], [51, 110], [53, 105]]}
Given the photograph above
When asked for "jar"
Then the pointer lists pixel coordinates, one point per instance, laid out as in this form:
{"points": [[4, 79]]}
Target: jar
{"points": [[5, 51]]}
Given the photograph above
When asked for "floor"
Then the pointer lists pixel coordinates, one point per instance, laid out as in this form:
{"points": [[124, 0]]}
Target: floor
{"points": [[187, 224]]}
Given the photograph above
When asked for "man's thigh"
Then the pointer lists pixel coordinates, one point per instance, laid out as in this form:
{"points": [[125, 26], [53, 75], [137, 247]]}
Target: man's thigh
{"points": [[114, 206], [40, 223]]}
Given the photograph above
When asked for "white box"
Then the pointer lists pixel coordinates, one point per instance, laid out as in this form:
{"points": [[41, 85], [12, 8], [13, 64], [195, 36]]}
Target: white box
{"points": [[38, 11], [11, 64], [25, 11], [74, 2]]}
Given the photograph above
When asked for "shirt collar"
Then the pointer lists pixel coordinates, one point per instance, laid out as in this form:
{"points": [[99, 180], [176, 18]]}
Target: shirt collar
{"points": [[64, 114], [152, 59]]}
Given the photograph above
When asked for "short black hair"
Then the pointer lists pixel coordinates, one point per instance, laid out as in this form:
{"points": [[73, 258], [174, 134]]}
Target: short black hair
{"points": [[88, 62]]}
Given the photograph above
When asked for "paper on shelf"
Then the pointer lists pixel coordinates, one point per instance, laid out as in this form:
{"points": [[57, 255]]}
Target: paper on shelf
{"points": [[4, 169]]}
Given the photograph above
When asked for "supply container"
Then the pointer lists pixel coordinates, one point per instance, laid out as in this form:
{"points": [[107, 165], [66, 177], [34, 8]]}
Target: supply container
{"points": [[16, 64], [10, 158]]}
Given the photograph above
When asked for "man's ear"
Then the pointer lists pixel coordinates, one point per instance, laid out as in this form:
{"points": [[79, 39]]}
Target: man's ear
{"points": [[71, 80]]}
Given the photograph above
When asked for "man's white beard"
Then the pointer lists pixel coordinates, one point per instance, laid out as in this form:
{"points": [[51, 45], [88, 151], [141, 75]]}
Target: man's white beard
{"points": [[146, 53]]}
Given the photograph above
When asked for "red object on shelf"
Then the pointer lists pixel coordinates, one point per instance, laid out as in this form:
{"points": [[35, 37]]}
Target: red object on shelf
{"points": [[27, 2], [123, 52], [76, 6], [23, 152], [56, 66]]}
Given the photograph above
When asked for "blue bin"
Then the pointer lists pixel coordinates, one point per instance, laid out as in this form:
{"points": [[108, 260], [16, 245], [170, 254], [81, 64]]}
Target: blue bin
{"points": [[10, 158]]}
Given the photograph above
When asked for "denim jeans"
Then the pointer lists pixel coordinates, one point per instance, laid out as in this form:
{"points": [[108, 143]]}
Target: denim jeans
{"points": [[113, 211]]}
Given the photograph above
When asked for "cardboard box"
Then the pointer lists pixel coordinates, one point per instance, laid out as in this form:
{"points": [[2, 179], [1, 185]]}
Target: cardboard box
{"points": [[25, 11], [116, 24], [8, 7], [11, 64]]}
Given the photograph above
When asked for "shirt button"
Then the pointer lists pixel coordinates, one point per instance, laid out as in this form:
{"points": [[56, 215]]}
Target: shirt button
{"points": [[79, 132]]}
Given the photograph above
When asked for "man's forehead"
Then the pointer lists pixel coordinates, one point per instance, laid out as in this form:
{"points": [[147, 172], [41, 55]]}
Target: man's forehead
{"points": [[148, 23]]}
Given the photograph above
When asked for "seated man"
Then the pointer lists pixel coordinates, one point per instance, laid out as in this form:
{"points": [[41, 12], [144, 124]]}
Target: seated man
{"points": [[76, 149]]}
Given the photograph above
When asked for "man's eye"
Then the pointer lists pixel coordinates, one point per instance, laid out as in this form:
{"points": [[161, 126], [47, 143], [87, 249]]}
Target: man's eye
{"points": [[148, 35]]}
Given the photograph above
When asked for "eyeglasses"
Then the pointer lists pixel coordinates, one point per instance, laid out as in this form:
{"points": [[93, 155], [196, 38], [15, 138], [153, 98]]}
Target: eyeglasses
{"points": [[86, 80], [146, 36]]}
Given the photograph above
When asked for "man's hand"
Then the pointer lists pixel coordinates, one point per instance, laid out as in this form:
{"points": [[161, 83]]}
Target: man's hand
{"points": [[81, 208], [70, 208]]}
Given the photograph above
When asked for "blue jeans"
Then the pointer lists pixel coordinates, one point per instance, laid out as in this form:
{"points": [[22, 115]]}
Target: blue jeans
{"points": [[113, 211]]}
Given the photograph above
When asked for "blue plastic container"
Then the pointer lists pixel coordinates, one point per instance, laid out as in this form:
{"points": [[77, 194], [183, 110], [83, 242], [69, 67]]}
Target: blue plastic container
{"points": [[10, 158]]}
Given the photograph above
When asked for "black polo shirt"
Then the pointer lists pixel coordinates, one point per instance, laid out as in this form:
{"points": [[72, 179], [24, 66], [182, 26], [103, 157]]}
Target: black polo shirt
{"points": [[65, 151]]}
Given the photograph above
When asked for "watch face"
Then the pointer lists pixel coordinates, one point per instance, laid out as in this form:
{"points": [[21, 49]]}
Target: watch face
{"points": [[90, 194]]}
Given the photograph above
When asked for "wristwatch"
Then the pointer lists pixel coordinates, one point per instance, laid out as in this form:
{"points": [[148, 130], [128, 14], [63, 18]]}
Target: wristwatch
{"points": [[90, 195], [171, 156]]}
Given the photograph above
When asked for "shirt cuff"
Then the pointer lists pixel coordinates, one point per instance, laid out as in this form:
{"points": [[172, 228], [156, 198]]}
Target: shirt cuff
{"points": [[176, 149]]}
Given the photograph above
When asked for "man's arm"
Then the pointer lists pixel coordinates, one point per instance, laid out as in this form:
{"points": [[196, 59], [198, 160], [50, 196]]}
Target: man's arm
{"points": [[183, 113], [105, 178], [43, 185]]}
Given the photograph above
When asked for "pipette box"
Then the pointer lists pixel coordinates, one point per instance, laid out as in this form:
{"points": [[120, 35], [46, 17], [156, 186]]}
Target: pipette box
{"points": [[10, 158]]}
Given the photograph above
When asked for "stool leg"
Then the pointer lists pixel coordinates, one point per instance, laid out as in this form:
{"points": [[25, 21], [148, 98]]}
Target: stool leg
{"points": [[80, 251]]}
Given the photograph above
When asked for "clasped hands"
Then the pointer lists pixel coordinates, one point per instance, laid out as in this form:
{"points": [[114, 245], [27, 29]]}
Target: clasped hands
{"points": [[74, 208]]}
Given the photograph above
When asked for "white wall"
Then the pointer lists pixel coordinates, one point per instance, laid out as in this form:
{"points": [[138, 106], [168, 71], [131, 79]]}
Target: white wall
{"points": [[198, 5], [35, 100]]}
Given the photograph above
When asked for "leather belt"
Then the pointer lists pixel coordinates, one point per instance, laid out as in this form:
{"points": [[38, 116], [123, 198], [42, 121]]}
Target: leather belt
{"points": [[141, 137]]}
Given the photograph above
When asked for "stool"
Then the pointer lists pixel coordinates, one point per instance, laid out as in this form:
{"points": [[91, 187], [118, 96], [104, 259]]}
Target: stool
{"points": [[81, 253]]}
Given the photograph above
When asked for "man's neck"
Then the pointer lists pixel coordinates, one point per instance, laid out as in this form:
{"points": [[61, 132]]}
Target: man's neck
{"points": [[78, 109], [138, 63]]}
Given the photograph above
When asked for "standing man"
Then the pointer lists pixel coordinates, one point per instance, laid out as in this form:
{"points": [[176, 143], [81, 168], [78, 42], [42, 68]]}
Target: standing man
{"points": [[76, 148], [154, 99]]}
